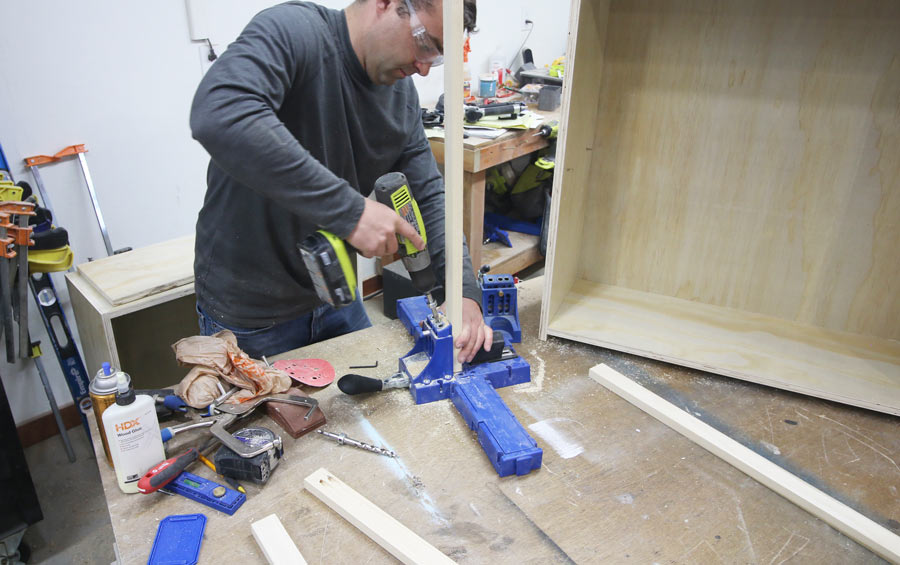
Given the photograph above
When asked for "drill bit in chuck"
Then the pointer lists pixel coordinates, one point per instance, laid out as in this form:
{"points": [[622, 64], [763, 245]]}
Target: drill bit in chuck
{"points": [[342, 439]]}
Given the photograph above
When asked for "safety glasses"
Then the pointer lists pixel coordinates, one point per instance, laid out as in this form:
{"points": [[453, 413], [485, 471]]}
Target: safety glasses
{"points": [[426, 51]]}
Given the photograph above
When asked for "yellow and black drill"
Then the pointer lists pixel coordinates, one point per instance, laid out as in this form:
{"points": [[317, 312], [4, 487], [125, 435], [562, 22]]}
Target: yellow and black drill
{"points": [[329, 265], [392, 189]]}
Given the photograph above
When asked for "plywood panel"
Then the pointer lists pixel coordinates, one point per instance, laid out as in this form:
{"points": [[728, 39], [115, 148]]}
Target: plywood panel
{"points": [[746, 156], [149, 270], [588, 22], [848, 368]]}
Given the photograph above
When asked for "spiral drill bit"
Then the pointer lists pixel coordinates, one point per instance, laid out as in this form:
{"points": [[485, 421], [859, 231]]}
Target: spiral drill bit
{"points": [[342, 439]]}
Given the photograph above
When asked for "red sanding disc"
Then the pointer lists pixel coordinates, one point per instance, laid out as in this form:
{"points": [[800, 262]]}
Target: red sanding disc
{"points": [[312, 372]]}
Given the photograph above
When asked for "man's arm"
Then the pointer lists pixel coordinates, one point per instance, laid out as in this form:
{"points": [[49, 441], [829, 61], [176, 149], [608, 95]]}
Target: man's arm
{"points": [[234, 116]]}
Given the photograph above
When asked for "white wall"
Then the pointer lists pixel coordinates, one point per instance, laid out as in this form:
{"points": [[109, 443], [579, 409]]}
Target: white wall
{"points": [[119, 77], [501, 32]]}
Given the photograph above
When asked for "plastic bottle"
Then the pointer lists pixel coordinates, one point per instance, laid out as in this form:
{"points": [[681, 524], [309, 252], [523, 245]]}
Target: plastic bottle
{"points": [[132, 433], [466, 73]]}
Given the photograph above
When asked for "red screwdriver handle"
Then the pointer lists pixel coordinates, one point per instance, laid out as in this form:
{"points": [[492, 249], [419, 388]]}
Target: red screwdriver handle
{"points": [[164, 473]]}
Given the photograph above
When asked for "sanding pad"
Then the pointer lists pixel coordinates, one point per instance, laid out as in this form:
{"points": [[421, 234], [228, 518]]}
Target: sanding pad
{"points": [[290, 416], [312, 372]]}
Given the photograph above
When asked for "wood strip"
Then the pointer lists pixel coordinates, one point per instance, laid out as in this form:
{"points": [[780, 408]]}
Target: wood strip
{"points": [[453, 164], [473, 215], [387, 532], [276, 544], [840, 516], [856, 370]]}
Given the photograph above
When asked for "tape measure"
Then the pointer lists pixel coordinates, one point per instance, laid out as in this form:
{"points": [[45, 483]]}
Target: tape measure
{"points": [[257, 469]]}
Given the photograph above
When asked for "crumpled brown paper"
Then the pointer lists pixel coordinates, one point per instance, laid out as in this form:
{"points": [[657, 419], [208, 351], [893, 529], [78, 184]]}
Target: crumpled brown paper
{"points": [[219, 357]]}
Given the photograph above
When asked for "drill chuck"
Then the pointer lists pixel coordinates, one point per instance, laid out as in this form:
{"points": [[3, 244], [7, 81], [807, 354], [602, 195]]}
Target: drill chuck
{"points": [[392, 189]]}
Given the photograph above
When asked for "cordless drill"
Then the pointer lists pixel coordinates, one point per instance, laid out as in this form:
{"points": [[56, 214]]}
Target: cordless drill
{"points": [[329, 265], [392, 190]]}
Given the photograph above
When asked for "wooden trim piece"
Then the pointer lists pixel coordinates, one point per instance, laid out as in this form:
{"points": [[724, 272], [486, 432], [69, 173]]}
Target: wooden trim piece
{"points": [[372, 285], [276, 544], [453, 165], [390, 534], [506, 149], [840, 516], [44, 427]]}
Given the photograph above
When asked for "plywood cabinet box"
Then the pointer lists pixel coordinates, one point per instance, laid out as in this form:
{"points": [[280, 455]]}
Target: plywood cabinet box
{"points": [[131, 308], [727, 191]]}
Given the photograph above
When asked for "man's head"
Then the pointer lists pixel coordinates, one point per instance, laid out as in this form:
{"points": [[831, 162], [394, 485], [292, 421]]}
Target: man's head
{"points": [[398, 38]]}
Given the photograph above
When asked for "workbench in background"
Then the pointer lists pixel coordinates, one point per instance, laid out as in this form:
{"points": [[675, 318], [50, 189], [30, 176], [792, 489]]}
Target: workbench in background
{"points": [[479, 155], [616, 486]]}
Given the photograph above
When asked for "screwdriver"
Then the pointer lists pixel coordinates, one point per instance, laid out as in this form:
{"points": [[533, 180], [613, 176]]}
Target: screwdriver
{"points": [[550, 129], [165, 472]]}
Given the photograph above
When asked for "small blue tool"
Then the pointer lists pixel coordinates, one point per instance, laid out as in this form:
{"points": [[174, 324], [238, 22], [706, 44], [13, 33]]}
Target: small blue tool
{"points": [[207, 492], [473, 391], [427, 370], [499, 300], [178, 540]]}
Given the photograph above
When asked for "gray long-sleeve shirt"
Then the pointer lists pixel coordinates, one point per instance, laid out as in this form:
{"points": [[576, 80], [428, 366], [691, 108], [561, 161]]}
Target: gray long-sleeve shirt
{"points": [[297, 134]]}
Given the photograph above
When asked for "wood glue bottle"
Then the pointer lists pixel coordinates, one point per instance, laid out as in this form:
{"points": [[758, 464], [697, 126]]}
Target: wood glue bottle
{"points": [[132, 433]]}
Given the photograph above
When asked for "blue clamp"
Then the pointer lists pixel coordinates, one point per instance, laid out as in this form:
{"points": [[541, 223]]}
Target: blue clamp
{"points": [[494, 233], [429, 366], [499, 299]]}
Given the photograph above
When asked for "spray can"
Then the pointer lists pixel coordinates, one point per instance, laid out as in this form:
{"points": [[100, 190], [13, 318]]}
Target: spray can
{"points": [[132, 431], [103, 395]]}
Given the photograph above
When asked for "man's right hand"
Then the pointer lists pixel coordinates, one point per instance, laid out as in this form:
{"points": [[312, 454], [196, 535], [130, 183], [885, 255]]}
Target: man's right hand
{"points": [[375, 233]]}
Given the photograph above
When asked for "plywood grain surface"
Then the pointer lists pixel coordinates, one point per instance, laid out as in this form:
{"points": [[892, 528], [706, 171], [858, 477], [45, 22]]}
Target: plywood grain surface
{"points": [[746, 156], [848, 368], [129, 276]]}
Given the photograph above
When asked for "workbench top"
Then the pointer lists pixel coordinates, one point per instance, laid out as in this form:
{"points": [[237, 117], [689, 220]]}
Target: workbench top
{"points": [[615, 486]]}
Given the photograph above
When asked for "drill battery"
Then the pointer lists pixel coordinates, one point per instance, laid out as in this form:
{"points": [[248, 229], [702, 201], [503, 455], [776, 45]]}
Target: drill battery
{"points": [[330, 268]]}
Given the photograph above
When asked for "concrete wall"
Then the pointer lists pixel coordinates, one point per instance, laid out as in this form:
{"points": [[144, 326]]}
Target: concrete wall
{"points": [[119, 77]]}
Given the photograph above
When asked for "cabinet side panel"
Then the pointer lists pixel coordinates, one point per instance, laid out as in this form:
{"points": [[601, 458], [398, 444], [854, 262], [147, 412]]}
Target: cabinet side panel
{"points": [[746, 157], [585, 52], [91, 324]]}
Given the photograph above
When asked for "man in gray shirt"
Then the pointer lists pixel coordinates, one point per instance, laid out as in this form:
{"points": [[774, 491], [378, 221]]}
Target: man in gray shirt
{"points": [[300, 115]]}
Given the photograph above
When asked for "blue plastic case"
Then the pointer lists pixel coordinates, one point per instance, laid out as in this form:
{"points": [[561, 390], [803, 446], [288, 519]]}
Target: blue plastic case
{"points": [[178, 540]]}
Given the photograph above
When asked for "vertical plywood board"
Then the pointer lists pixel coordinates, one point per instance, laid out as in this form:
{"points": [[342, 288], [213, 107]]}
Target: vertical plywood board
{"points": [[453, 164], [747, 155], [587, 38]]}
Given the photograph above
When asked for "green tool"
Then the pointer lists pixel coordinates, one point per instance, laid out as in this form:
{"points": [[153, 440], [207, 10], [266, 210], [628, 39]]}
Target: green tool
{"points": [[392, 189], [330, 268], [549, 130], [328, 261]]}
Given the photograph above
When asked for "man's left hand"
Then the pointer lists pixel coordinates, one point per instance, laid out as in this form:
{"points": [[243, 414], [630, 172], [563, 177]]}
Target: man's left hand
{"points": [[474, 332]]}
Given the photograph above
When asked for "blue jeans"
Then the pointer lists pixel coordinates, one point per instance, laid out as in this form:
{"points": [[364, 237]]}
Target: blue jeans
{"points": [[322, 323]]}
